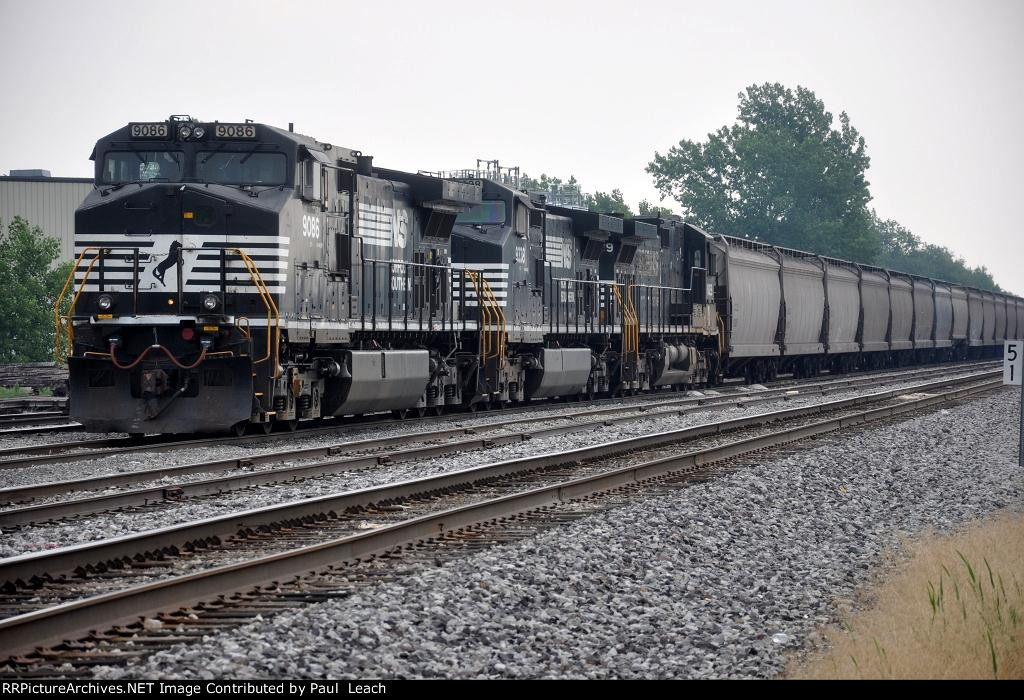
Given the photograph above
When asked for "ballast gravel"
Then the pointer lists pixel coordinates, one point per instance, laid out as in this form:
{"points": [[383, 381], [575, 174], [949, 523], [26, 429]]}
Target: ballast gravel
{"points": [[720, 578], [126, 521]]}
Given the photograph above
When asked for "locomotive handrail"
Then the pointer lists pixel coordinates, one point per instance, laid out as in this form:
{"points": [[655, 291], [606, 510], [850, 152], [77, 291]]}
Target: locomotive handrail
{"points": [[634, 318], [491, 316], [64, 326], [57, 318], [272, 311], [630, 321], [485, 316], [443, 301], [499, 315]]}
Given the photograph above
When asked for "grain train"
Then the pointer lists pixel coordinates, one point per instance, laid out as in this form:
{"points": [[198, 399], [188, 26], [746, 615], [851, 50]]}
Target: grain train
{"points": [[235, 276]]}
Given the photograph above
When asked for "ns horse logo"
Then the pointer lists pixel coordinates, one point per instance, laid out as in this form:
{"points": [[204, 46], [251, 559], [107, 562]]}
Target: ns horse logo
{"points": [[173, 258]]}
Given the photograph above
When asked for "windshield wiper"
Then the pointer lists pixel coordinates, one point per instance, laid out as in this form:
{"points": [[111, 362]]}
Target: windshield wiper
{"points": [[251, 153], [212, 153]]}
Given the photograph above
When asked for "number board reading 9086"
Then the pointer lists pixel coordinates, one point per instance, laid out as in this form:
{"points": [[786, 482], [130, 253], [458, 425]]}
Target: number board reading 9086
{"points": [[1013, 361], [235, 131], [156, 130]]}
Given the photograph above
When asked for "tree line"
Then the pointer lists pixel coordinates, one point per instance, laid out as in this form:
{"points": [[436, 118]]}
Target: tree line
{"points": [[786, 173]]}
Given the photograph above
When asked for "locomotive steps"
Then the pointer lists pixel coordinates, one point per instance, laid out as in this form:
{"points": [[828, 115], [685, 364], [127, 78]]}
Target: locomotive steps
{"points": [[378, 519]]}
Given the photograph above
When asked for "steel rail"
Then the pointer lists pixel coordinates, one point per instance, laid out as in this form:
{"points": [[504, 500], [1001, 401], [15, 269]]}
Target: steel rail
{"points": [[32, 455], [97, 555], [23, 633], [14, 517], [32, 418]]}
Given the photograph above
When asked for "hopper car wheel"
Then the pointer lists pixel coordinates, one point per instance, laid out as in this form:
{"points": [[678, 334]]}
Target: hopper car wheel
{"points": [[438, 410], [238, 429], [291, 425], [421, 412], [400, 413], [265, 428]]}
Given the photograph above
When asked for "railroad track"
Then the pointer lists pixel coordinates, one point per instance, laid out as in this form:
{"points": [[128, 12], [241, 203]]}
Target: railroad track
{"points": [[32, 455], [340, 458], [32, 411], [33, 418], [276, 557]]}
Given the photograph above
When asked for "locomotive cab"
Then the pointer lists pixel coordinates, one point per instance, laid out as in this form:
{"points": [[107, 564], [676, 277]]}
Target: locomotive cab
{"points": [[180, 276]]}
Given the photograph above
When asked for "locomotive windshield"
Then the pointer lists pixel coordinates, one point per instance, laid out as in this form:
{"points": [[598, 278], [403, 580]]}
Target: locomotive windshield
{"points": [[142, 166], [485, 213], [241, 168]]}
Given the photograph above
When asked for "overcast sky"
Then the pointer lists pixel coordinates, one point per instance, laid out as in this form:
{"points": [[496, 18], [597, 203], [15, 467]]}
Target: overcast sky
{"points": [[584, 88]]}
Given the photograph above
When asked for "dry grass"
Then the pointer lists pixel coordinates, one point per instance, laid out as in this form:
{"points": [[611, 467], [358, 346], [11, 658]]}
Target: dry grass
{"points": [[955, 609]]}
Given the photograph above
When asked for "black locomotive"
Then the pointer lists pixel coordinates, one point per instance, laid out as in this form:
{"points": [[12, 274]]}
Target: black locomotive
{"points": [[233, 275]]}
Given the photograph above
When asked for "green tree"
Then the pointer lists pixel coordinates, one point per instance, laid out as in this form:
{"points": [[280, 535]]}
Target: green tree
{"points": [[605, 202], [903, 251], [608, 203], [784, 172], [30, 284], [647, 208]]}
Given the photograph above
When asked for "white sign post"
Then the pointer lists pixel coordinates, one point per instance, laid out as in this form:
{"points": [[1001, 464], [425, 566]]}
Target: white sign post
{"points": [[1013, 366]]}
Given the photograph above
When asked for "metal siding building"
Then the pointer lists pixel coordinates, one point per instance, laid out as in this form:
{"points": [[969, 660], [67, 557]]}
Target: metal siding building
{"points": [[46, 202]]}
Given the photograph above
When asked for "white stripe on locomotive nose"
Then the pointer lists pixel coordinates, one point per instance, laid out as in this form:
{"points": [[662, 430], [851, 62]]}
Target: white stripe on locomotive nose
{"points": [[239, 276]]}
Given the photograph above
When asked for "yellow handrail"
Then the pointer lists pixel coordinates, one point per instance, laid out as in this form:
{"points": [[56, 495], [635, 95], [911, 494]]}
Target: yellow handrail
{"points": [[502, 333], [484, 316], [630, 320], [492, 319], [62, 323], [634, 317], [272, 311], [57, 318]]}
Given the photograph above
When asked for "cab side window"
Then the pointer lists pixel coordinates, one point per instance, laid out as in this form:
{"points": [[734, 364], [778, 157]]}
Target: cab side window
{"points": [[522, 219]]}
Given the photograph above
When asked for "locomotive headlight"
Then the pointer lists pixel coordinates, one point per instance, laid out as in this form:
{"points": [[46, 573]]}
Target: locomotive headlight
{"points": [[211, 302], [105, 302], [199, 132], [185, 132]]}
